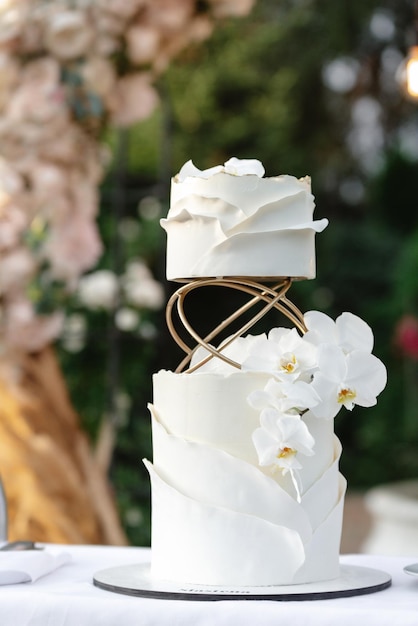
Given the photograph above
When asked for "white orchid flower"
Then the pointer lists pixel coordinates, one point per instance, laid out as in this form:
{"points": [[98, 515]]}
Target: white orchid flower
{"points": [[279, 441], [284, 354], [346, 379], [295, 397], [349, 331]]}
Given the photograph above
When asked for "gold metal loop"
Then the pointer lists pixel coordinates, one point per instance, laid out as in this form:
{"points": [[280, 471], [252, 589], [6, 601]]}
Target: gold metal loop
{"points": [[274, 297]]}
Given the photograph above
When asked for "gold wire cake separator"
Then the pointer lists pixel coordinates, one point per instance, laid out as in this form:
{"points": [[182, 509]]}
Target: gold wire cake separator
{"points": [[274, 297]]}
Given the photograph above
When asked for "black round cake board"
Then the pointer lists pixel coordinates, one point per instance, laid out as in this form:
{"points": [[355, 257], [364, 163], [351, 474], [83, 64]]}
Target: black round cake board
{"points": [[136, 580]]}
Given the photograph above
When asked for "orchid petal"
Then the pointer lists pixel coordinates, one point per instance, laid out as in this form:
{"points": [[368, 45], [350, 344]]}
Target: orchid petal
{"points": [[354, 333], [321, 328], [332, 362]]}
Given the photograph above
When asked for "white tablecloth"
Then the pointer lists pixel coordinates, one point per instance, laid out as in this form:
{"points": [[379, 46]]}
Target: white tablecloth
{"points": [[67, 597]]}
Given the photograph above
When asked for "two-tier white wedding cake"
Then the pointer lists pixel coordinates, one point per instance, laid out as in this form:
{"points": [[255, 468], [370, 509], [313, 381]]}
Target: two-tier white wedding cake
{"points": [[246, 489]]}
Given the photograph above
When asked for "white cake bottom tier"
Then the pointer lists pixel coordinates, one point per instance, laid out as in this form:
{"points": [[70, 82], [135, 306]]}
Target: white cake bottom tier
{"points": [[217, 519]]}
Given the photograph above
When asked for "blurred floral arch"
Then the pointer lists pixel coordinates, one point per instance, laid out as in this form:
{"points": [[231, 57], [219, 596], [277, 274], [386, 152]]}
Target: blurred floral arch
{"points": [[69, 71]]}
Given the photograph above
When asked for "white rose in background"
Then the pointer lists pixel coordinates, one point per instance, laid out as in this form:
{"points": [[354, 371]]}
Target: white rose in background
{"points": [[99, 290], [140, 288]]}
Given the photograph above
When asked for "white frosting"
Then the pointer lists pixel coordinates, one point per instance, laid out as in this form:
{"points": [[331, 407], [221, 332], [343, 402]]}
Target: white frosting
{"points": [[229, 221], [217, 516]]}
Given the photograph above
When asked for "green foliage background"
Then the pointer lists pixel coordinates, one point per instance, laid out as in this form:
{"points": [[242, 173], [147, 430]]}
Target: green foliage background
{"points": [[255, 89]]}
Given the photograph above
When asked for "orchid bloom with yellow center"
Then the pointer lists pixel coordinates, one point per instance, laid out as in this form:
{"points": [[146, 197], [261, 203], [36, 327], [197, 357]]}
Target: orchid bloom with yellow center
{"points": [[346, 379], [288, 363], [284, 354], [280, 440], [346, 395]]}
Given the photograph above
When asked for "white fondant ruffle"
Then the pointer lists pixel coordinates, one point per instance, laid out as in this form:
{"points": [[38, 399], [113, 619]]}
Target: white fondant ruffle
{"points": [[322, 552], [198, 543], [210, 504], [249, 192], [241, 225], [216, 478]]}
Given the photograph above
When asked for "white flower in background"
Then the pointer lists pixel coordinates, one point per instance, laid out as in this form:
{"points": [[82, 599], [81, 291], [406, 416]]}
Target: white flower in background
{"points": [[148, 294], [98, 290], [349, 331], [346, 379], [284, 353], [280, 440], [140, 288], [73, 337], [127, 319]]}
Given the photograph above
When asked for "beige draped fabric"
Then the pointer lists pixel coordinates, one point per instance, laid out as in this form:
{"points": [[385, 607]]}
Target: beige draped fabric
{"points": [[56, 489]]}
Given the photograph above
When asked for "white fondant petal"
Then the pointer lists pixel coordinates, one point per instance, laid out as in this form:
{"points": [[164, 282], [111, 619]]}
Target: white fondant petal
{"points": [[324, 546], [232, 257], [322, 496], [189, 169], [192, 207], [242, 167], [284, 214], [198, 543], [229, 482]]}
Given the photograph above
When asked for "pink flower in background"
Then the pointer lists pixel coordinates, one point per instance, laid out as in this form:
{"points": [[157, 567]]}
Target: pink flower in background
{"points": [[225, 8], [124, 9], [134, 100], [25, 330], [142, 43], [68, 70], [13, 221], [69, 34], [39, 97], [74, 246], [9, 75], [15, 268], [406, 336], [99, 75], [170, 15]]}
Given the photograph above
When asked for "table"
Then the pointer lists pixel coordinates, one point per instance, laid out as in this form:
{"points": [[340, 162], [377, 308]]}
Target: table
{"points": [[67, 597]]}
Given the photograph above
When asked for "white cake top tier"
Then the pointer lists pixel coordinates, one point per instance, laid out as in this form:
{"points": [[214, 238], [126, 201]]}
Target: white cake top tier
{"points": [[230, 221]]}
